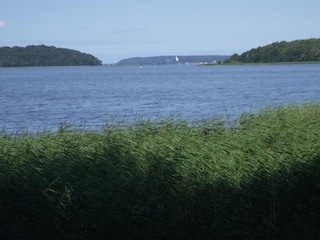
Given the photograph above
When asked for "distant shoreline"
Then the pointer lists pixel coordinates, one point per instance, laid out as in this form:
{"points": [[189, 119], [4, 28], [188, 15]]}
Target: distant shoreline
{"points": [[254, 64], [45, 56]]}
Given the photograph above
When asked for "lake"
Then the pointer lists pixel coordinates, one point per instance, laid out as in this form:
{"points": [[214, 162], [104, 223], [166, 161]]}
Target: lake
{"points": [[35, 99]]}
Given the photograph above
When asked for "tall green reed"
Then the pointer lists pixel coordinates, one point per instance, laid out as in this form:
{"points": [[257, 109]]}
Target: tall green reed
{"points": [[166, 180]]}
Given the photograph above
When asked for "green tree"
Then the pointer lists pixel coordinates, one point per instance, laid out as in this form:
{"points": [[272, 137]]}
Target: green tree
{"points": [[295, 51], [44, 56]]}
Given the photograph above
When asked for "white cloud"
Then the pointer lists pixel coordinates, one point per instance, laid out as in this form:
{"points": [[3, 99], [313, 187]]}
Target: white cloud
{"points": [[2, 24]]}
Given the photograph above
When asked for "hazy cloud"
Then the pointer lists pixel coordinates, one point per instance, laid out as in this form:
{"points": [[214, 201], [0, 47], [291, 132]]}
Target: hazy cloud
{"points": [[2, 24], [128, 30]]}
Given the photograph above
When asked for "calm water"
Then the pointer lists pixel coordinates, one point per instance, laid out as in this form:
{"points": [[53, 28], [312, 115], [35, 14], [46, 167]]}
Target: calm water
{"points": [[43, 98]]}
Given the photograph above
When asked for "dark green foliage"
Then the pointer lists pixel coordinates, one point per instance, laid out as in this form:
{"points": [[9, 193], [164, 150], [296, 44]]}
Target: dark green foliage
{"points": [[295, 51], [257, 179], [44, 56]]}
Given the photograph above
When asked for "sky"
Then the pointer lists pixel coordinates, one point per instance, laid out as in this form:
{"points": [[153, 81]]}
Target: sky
{"points": [[113, 30]]}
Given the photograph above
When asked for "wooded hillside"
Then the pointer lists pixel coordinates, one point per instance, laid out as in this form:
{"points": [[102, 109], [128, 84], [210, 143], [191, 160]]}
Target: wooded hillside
{"points": [[295, 51], [44, 56]]}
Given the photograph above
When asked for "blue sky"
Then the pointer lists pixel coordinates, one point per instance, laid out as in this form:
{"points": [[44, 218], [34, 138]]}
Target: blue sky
{"points": [[113, 30]]}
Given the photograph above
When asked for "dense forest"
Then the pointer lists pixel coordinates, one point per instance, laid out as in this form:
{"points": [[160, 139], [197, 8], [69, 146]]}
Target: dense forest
{"points": [[44, 56], [295, 51], [167, 60]]}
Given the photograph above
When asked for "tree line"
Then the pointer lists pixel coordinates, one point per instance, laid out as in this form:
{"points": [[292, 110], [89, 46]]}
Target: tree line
{"points": [[44, 56], [296, 51]]}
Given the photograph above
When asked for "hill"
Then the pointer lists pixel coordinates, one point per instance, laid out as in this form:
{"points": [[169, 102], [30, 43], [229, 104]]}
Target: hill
{"points": [[42, 55], [167, 60], [296, 51]]}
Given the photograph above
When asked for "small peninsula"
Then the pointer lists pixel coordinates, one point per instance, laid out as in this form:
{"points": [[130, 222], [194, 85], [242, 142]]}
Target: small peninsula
{"points": [[281, 52], [170, 60], [41, 55]]}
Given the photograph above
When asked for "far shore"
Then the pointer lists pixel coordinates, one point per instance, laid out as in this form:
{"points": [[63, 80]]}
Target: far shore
{"points": [[253, 64]]}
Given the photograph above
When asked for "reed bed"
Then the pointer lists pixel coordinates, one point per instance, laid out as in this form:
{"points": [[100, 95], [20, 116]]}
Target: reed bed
{"points": [[256, 179]]}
